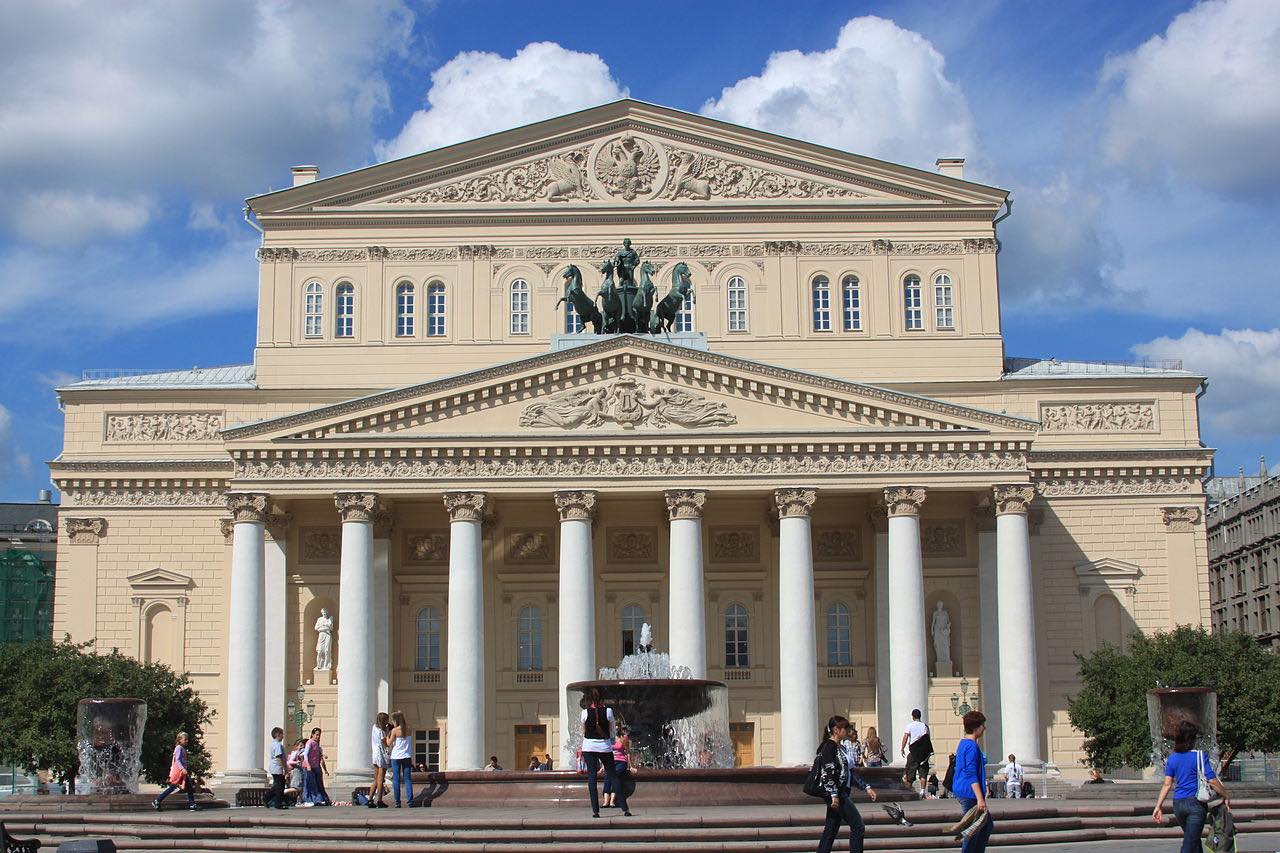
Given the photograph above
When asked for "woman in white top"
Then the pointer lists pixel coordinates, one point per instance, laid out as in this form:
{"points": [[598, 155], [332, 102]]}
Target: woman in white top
{"points": [[381, 759], [401, 745], [597, 750]]}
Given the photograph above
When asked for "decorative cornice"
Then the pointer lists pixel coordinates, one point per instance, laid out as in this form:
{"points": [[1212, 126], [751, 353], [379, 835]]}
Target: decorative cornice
{"points": [[112, 466], [878, 518], [576, 505], [1181, 519], [1013, 498], [465, 506], [1112, 484], [84, 531], [142, 493], [795, 503], [357, 506], [247, 507], [903, 500], [685, 503]]}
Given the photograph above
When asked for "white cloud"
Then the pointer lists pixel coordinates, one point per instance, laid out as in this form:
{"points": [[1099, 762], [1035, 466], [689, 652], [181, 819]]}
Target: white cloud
{"points": [[58, 216], [1202, 99], [1243, 367], [881, 91], [477, 93]]}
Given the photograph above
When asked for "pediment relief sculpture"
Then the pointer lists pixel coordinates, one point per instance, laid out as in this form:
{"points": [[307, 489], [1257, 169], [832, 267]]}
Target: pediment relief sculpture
{"points": [[627, 403]]}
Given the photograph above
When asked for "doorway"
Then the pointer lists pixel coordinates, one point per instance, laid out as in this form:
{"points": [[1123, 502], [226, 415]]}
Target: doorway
{"points": [[743, 736], [530, 740]]}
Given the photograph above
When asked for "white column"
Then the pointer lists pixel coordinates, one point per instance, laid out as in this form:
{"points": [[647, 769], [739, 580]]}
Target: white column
{"points": [[797, 629], [1015, 602], [908, 663], [465, 705], [276, 573], [884, 705], [989, 630], [382, 655], [246, 632], [355, 637], [576, 606], [687, 625]]}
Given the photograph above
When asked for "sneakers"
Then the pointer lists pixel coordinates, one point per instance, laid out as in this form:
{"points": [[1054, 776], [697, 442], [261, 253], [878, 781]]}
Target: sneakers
{"points": [[155, 804]]}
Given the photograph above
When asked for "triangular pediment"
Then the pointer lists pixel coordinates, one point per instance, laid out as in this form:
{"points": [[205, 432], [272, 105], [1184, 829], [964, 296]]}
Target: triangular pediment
{"points": [[635, 386], [1108, 569], [625, 154], [159, 580]]}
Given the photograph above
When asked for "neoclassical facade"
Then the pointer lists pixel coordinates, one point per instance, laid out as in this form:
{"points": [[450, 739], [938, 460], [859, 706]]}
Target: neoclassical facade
{"points": [[830, 449]]}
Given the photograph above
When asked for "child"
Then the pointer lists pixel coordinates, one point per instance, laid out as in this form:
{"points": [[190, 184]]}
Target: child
{"points": [[294, 766], [179, 776], [275, 766]]}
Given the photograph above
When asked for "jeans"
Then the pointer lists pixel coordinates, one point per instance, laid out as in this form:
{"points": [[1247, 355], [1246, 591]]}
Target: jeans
{"points": [[1191, 815], [846, 812], [402, 768], [276, 797], [594, 760], [191, 792], [976, 843]]}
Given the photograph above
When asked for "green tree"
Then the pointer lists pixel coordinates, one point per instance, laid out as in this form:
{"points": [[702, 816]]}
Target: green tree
{"points": [[43, 681], [1111, 709]]}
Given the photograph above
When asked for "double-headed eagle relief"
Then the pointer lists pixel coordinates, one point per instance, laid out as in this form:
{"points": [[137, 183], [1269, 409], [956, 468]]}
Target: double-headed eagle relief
{"points": [[626, 295]]}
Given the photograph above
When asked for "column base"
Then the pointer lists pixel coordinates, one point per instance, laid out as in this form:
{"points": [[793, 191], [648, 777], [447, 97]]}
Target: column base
{"points": [[345, 780], [242, 778]]}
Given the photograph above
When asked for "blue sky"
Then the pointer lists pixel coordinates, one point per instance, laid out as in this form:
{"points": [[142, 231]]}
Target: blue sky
{"points": [[1138, 140]]}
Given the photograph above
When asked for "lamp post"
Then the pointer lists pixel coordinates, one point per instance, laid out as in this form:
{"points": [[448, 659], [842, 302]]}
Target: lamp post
{"points": [[962, 703], [300, 715]]}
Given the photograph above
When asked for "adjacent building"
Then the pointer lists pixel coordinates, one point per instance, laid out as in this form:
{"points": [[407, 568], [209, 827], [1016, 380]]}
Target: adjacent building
{"points": [[28, 561], [1244, 555]]}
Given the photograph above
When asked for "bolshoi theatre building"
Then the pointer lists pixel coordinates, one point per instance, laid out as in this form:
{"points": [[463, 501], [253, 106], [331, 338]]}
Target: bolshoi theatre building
{"points": [[822, 481]]}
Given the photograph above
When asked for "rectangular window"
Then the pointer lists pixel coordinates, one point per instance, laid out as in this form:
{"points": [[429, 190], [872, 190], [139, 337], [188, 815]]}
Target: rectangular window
{"points": [[426, 748], [572, 322], [684, 317], [943, 308], [435, 311], [737, 291], [852, 305], [821, 305], [913, 307], [404, 311], [519, 307]]}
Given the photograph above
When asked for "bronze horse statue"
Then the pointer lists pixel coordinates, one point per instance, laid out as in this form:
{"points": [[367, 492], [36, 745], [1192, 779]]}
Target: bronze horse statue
{"points": [[642, 308], [610, 300], [664, 316], [577, 297]]}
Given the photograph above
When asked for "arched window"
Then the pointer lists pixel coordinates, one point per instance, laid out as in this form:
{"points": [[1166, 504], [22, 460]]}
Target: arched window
{"points": [[632, 621], [943, 302], [404, 310], [839, 635], [572, 322], [684, 317], [851, 300], [821, 304], [428, 640], [435, 310], [345, 316], [735, 636], [529, 639], [519, 307], [911, 302], [313, 310], [737, 292]]}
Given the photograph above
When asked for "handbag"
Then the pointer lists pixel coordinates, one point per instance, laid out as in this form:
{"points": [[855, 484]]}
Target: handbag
{"points": [[1202, 784], [813, 782], [177, 773]]}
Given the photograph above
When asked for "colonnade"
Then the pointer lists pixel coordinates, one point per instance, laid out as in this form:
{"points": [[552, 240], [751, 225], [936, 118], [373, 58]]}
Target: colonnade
{"points": [[902, 662]]}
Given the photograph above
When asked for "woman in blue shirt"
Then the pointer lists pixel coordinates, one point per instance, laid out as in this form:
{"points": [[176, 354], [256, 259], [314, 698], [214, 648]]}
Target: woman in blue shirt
{"points": [[1180, 775], [970, 781]]}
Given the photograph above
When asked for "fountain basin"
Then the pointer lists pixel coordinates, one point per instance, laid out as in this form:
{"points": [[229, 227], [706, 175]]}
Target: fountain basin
{"points": [[675, 723], [109, 743], [1167, 707]]}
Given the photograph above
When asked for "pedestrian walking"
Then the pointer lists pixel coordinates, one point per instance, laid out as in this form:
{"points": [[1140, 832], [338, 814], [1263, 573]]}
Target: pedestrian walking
{"points": [[917, 747], [1013, 774], [1189, 775], [597, 749], [294, 765], [852, 748], [873, 751], [838, 780], [621, 765], [314, 769], [400, 741], [179, 775], [276, 768], [381, 754], [970, 782]]}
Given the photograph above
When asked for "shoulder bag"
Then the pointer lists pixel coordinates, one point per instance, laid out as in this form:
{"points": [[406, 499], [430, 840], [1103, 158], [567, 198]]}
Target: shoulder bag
{"points": [[1202, 784]]}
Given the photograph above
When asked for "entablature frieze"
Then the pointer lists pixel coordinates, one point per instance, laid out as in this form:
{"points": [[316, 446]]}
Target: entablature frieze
{"points": [[144, 493]]}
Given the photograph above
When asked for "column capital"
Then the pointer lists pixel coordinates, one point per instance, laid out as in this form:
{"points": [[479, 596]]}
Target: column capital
{"points": [[1013, 498], [903, 500], [576, 505], [278, 524], [227, 526], [356, 506], [878, 518], [984, 517], [384, 520], [85, 531], [795, 503], [685, 503], [248, 507], [1180, 519], [465, 506]]}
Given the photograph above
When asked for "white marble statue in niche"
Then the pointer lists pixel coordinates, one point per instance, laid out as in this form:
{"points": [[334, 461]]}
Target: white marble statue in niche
{"points": [[324, 640], [941, 630]]}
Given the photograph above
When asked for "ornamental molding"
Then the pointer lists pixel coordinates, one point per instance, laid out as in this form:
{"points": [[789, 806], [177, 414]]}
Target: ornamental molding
{"points": [[878, 518], [837, 545], [426, 547], [903, 500], [147, 493], [219, 466], [534, 546], [735, 544], [84, 531], [227, 527], [1119, 485], [465, 506], [1099, 417], [320, 544], [357, 506], [943, 538], [628, 403], [576, 505], [685, 503], [1013, 499], [248, 507], [162, 427], [1181, 519], [795, 503], [277, 525], [631, 545]]}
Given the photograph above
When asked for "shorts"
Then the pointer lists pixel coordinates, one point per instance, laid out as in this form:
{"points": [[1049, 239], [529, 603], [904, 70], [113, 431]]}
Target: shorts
{"points": [[382, 760], [917, 768]]}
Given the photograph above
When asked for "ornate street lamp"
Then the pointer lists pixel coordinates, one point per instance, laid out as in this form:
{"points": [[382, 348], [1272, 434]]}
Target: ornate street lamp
{"points": [[300, 715], [962, 703]]}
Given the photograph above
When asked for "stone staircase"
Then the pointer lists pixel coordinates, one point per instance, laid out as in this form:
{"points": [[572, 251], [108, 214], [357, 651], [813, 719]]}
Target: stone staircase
{"points": [[785, 829]]}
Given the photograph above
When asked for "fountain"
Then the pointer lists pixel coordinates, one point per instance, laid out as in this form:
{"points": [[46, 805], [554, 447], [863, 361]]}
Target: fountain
{"points": [[1167, 707], [109, 741], [676, 721]]}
